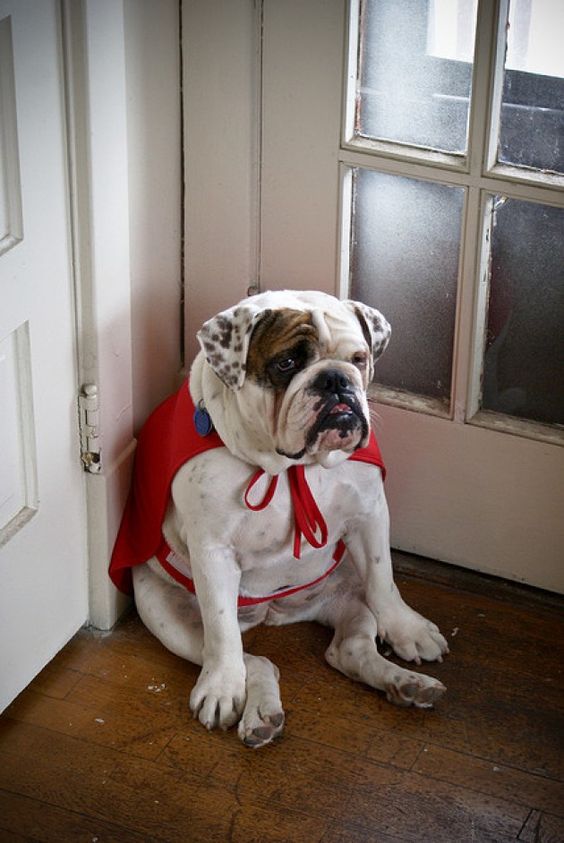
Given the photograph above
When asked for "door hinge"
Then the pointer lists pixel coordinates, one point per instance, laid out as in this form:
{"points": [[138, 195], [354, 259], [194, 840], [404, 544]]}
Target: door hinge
{"points": [[88, 412]]}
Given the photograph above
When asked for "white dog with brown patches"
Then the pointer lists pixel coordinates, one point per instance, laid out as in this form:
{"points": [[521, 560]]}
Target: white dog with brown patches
{"points": [[281, 518]]}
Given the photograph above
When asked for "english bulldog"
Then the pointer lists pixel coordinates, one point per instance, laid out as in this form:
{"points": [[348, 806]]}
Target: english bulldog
{"points": [[283, 518]]}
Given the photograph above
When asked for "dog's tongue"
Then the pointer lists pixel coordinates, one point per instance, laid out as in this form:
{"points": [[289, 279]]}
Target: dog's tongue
{"points": [[340, 408]]}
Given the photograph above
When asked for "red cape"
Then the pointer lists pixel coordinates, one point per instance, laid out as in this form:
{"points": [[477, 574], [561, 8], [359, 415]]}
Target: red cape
{"points": [[167, 440]]}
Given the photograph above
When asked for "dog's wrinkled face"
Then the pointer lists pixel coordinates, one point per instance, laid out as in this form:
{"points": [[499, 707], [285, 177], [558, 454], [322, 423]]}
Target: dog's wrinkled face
{"points": [[304, 362], [318, 401]]}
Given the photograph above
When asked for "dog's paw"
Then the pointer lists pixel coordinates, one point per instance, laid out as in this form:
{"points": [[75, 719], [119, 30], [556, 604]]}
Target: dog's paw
{"points": [[406, 688], [218, 697], [263, 717], [259, 726], [411, 636]]}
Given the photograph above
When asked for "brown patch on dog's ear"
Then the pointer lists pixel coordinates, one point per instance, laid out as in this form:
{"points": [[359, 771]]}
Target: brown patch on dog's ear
{"points": [[278, 332], [375, 327]]}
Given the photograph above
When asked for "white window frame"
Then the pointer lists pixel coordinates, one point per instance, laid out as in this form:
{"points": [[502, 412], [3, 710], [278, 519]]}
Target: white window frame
{"points": [[482, 177]]}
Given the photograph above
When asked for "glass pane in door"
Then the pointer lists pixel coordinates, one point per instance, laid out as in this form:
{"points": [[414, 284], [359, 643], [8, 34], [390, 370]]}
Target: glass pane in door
{"points": [[524, 354], [531, 129], [415, 72], [405, 245]]}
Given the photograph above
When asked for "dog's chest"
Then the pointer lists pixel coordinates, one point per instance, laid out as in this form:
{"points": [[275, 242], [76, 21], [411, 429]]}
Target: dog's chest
{"points": [[218, 498], [210, 512], [329, 496]]}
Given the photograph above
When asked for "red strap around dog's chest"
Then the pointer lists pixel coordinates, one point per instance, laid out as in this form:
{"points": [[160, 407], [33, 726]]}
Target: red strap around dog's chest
{"points": [[172, 564]]}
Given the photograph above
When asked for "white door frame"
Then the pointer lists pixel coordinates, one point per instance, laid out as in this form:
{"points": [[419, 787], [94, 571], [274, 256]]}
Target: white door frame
{"points": [[126, 347]]}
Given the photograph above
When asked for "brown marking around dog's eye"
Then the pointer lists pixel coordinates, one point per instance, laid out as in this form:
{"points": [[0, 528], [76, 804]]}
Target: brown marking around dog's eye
{"points": [[360, 359], [279, 335]]}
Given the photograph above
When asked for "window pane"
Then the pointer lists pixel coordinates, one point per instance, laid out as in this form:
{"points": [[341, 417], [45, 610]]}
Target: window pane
{"points": [[416, 71], [405, 250], [523, 374], [532, 117]]}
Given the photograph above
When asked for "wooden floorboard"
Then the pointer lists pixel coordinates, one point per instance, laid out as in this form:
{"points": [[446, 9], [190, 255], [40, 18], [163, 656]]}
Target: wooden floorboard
{"points": [[101, 746]]}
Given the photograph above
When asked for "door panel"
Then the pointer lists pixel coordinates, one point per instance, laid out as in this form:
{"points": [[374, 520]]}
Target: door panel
{"points": [[477, 498], [42, 529]]}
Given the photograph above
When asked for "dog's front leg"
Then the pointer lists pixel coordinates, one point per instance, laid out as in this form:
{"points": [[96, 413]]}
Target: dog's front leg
{"points": [[411, 635], [218, 698]]}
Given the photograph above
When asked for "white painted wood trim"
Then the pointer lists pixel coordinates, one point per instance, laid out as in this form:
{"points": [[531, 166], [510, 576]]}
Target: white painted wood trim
{"points": [[514, 187], [96, 88], [9, 142], [117, 343], [485, 504]]}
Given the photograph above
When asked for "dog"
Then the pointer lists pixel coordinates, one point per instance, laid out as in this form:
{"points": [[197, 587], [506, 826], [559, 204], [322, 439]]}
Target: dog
{"points": [[280, 516]]}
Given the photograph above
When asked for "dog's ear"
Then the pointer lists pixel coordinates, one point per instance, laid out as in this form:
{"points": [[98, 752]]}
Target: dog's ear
{"points": [[224, 340], [375, 327]]}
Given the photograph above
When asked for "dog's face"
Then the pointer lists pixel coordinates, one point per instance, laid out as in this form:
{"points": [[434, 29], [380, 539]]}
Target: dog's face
{"points": [[301, 362]]}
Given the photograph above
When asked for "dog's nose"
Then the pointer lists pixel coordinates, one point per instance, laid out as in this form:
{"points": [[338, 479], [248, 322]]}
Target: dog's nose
{"points": [[331, 380]]}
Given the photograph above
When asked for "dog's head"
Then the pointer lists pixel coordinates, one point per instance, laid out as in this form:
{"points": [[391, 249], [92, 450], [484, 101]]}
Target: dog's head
{"points": [[293, 370]]}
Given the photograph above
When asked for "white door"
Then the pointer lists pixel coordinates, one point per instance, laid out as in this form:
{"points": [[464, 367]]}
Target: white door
{"points": [[354, 193], [43, 598], [397, 170]]}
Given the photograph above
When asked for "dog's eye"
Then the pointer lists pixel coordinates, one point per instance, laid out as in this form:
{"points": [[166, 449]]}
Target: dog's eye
{"points": [[288, 364], [359, 359]]}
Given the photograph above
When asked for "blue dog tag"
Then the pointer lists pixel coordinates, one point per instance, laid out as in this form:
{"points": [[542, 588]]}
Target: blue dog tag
{"points": [[202, 421]]}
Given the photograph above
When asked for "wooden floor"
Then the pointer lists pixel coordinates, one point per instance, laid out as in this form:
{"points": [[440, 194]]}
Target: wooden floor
{"points": [[101, 746]]}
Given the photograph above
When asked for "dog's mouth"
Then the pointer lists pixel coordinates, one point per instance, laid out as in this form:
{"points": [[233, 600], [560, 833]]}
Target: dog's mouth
{"points": [[341, 409], [340, 424], [341, 412]]}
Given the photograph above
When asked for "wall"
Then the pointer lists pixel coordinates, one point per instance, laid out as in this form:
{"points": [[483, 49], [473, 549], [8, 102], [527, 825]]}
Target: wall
{"points": [[152, 54], [221, 86]]}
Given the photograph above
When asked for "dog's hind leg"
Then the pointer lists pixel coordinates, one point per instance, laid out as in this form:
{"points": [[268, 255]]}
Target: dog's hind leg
{"points": [[353, 651], [173, 616], [263, 717], [170, 612]]}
